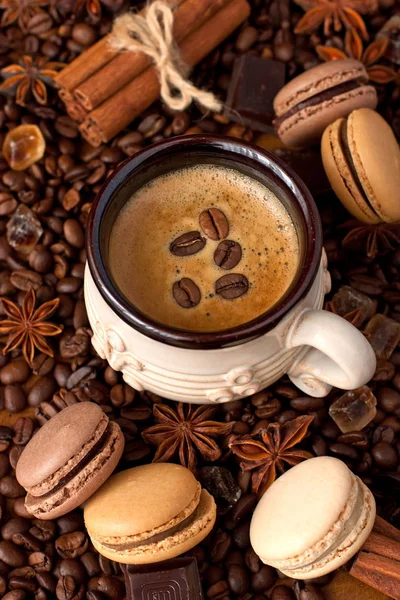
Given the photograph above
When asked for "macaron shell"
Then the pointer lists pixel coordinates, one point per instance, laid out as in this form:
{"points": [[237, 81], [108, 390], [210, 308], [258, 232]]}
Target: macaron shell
{"points": [[376, 155], [316, 80], [297, 502], [341, 176], [358, 533], [85, 483], [307, 125], [172, 546], [149, 498], [59, 440]]}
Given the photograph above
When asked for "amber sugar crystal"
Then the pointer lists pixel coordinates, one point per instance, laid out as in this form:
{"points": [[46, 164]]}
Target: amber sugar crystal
{"points": [[23, 146]]}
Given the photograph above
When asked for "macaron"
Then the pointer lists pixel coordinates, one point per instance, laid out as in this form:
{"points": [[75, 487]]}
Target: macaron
{"points": [[68, 459], [306, 105], [149, 514], [313, 519], [361, 158]]}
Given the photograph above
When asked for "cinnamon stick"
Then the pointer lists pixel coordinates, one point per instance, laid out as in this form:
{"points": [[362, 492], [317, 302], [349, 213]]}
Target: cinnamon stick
{"points": [[384, 528], [75, 110], [90, 61], [122, 69], [117, 112], [379, 572]]}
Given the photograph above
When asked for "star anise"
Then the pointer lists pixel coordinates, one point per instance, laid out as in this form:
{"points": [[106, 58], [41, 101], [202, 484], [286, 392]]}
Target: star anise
{"points": [[336, 13], [27, 327], [369, 57], [29, 78], [21, 10], [184, 430], [266, 452], [373, 240]]}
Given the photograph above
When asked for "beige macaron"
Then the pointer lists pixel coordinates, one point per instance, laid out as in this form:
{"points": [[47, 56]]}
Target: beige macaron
{"points": [[361, 158], [313, 519], [149, 514]]}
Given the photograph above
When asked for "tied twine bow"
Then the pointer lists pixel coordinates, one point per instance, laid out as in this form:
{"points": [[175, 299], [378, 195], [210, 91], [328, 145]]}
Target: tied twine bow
{"points": [[152, 35]]}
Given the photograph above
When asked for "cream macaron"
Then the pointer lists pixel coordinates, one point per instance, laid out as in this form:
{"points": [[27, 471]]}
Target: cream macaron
{"points": [[149, 514], [313, 519], [361, 158]]}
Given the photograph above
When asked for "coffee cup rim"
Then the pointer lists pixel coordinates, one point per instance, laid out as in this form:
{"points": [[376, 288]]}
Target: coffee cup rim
{"points": [[251, 154]]}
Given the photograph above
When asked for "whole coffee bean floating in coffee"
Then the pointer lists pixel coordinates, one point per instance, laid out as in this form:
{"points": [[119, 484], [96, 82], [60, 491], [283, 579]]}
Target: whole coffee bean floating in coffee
{"points": [[187, 244], [231, 286], [228, 254], [186, 293], [214, 223]]}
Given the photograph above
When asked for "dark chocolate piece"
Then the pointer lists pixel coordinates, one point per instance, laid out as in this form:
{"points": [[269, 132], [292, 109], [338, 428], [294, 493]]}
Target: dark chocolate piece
{"points": [[176, 579], [254, 85]]}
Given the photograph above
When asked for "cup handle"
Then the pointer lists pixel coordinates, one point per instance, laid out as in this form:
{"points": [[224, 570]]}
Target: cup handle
{"points": [[339, 355]]}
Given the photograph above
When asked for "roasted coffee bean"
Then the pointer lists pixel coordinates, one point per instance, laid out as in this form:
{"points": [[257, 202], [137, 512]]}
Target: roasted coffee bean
{"points": [[16, 371], [72, 545], [13, 526], [40, 562], [214, 224], [228, 254], [231, 286], [42, 364], [23, 430], [4, 464], [238, 579], [90, 561], [11, 555], [25, 279], [10, 488], [14, 398], [186, 293], [27, 541], [384, 455], [187, 244], [68, 589], [19, 508], [46, 581], [388, 399], [110, 586], [15, 595], [45, 531], [74, 568], [221, 545], [263, 579], [42, 390]]}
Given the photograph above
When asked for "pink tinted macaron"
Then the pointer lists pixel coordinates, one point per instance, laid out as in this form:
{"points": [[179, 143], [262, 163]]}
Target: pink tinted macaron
{"points": [[313, 519], [306, 105], [68, 459]]}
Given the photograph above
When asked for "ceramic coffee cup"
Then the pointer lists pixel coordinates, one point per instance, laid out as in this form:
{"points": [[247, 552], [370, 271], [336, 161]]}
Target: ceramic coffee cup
{"points": [[317, 349]]}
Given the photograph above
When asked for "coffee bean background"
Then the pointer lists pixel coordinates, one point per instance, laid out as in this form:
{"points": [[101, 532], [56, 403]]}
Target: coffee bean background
{"points": [[42, 560]]}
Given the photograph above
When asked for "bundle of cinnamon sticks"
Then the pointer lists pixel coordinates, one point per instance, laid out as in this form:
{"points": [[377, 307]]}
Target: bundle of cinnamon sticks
{"points": [[105, 90], [378, 562]]}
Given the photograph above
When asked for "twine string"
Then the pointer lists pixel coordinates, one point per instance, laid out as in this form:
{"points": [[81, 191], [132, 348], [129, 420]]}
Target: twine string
{"points": [[152, 35]]}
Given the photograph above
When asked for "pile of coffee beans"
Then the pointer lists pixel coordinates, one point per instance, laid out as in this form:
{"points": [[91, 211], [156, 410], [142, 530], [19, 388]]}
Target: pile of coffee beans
{"points": [[55, 559]]}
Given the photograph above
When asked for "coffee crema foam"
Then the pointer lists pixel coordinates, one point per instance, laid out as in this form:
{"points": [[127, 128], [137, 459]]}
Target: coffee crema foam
{"points": [[145, 270]]}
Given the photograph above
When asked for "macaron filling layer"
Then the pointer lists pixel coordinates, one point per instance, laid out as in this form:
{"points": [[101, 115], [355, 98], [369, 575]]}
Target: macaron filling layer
{"points": [[345, 148], [319, 98]]}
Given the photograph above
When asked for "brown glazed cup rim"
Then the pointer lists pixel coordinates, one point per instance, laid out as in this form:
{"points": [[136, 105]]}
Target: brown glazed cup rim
{"points": [[235, 150]]}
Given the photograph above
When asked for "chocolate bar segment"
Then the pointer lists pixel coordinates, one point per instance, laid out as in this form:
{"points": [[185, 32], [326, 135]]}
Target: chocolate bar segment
{"points": [[176, 579], [254, 85]]}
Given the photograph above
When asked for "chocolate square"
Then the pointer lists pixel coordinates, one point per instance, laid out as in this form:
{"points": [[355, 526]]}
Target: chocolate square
{"points": [[253, 87], [176, 579]]}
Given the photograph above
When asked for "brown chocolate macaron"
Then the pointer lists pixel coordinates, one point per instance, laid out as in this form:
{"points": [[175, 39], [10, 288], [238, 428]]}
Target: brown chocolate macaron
{"points": [[309, 103], [68, 459]]}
